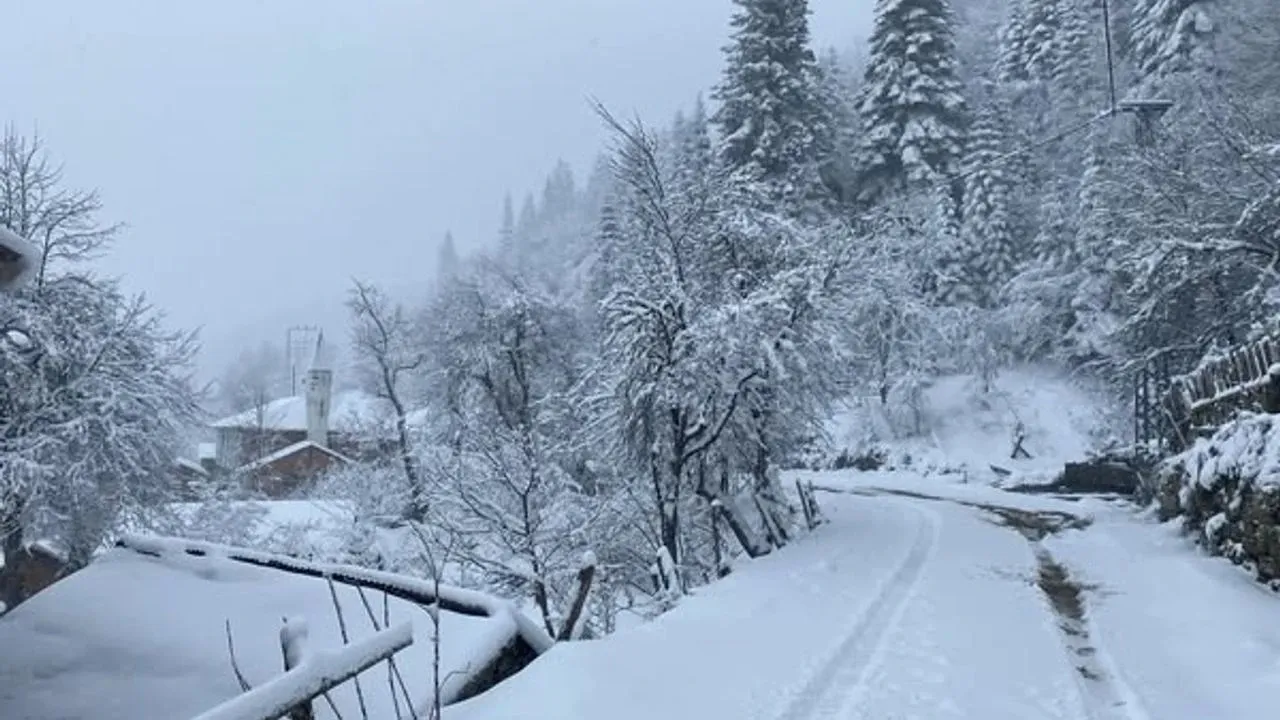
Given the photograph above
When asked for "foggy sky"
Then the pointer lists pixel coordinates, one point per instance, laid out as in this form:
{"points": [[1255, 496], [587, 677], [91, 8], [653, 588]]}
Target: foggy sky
{"points": [[263, 152]]}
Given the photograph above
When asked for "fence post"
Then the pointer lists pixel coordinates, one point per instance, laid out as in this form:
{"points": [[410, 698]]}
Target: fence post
{"points": [[293, 637]]}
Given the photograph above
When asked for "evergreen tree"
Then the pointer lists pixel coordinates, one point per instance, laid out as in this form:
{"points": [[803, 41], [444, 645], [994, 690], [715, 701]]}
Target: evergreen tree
{"points": [[1013, 64], [1172, 36], [507, 232], [986, 232], [447, 261], [774, 127], [839, 95], [913, 112], [691, 141]]}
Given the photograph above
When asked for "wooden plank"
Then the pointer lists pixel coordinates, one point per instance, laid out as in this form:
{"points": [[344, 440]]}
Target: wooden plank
{"points": [[313, 677]]}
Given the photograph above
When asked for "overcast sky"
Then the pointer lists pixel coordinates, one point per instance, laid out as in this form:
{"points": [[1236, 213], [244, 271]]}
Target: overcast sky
{"points": [[263, 152]]}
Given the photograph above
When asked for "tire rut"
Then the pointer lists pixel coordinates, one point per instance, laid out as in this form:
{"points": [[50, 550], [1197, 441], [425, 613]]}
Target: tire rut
{"points": [[842, 675]]}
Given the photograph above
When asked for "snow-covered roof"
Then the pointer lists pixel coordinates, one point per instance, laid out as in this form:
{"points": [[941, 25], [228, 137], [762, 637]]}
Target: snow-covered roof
{"points": [[297, 447], [207, 451], [352, 410]]}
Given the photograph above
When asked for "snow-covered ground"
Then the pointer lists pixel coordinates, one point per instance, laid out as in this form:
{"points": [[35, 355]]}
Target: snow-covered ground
{"points": [[910, 607], [1190, 636], [965, 428], [134, 637]]}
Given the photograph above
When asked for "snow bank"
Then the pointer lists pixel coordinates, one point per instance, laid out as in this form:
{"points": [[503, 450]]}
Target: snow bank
{"points": [[1248, 450], [966, 429], [1226, 490], [1191, 637], [134, 637]]}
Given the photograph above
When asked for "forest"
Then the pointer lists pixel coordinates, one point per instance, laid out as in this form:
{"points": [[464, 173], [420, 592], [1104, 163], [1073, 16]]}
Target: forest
{"points": [[619, 378]]}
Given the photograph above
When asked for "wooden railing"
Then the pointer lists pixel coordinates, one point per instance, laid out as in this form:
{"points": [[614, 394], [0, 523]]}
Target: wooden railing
{"points": [[1246, 379], [309, 677]]}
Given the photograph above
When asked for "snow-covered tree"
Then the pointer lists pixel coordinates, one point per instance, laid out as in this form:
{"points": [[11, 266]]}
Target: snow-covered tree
{"points": [[912, 106], [775, 128], [1170, 36], [35, 203], [95, 394], [987, 233], [388, 359], [839, 93], [447, 259], [95, 400], [506, 459]]}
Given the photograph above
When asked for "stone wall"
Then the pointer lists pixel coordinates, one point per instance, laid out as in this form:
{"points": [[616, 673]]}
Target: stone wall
{"points": [[1226, 491]]}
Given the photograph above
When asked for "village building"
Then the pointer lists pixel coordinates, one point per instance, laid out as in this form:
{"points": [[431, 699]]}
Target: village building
{"points": [[283, 446]]}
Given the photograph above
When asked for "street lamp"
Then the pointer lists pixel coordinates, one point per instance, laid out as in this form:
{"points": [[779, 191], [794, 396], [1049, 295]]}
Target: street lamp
{"points": [[18, 260]]}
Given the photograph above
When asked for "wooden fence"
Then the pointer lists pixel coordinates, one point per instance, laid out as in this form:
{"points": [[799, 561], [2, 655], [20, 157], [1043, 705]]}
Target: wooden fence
{"points": [[1174, 410], [308, 678]]}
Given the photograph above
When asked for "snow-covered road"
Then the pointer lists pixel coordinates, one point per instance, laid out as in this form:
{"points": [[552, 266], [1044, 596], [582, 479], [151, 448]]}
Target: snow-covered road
{"points": [[904, 607]]}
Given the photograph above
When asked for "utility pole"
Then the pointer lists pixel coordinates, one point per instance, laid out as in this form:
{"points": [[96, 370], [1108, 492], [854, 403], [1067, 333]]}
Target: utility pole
{"points": [[298, 340]]}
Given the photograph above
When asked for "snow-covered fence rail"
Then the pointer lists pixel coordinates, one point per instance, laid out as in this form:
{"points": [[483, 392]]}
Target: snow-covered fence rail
{"points": [[527, 640], [312, 676], [1246, 378], [415, 590]]}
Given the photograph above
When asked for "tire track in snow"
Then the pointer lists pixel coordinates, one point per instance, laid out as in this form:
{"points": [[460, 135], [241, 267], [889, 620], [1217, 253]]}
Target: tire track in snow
{"points": [[841, 677]]}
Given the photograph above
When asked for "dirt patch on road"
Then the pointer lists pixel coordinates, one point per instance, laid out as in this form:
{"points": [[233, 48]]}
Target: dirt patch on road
{"points": [[1035, 525], [1064, 593]]}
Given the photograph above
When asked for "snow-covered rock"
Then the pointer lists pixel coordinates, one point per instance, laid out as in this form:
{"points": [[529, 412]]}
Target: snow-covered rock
{"points": [[1226, 489]]}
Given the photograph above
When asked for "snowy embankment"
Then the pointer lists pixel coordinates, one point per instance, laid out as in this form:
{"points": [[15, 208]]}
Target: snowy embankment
{"points": [[963, 427], [1189, 635], [1226, 489], [134, 636]]}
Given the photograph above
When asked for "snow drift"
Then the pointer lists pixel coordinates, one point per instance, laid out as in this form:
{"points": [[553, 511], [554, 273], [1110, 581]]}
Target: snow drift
{"points": [[145, 636]]}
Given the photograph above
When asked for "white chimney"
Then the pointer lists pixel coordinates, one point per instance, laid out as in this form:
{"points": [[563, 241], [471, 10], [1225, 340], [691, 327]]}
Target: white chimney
{"points": [[318, 386]]}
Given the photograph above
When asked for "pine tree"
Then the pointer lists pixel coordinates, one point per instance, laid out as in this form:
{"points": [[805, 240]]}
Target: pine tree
{"points": [[986, 233], [1171, 36], [507, 232], [691, 141], [447, 261], [913, 112], [839, 95], [1011, 69], [949, 270], [774, 127]]}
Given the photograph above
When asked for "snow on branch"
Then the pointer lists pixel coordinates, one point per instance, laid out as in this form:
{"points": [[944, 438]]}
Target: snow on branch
{"points": [[315, 675]]}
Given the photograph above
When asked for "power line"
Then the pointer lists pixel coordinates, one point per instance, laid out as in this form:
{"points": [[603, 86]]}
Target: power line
{"points": [[1112, 110]]}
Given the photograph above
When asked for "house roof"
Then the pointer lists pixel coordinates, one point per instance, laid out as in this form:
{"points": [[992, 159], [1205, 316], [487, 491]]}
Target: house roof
{"points": [[352, 410], [294, 449], [207, 451]]}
